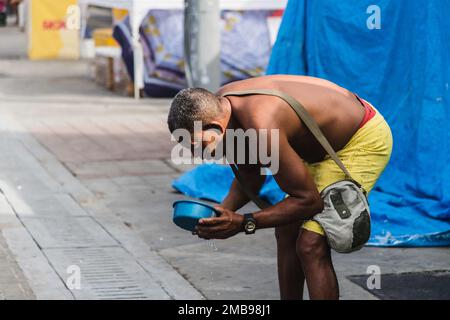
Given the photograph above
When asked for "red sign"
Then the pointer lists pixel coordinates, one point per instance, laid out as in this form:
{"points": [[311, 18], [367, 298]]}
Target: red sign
{"points": [[54, 24]]}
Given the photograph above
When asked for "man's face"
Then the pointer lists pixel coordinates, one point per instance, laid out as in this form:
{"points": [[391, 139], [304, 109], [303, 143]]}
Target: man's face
{"points": [[207, 139]]}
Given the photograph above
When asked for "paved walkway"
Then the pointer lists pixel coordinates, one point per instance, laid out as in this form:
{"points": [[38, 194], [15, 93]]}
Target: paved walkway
{"points": [[54, 227], [86, 181], [13, 284]]}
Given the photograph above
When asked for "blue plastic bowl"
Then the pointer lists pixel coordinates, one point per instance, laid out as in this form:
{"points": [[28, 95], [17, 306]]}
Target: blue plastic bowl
{"points": [[186, 213]]}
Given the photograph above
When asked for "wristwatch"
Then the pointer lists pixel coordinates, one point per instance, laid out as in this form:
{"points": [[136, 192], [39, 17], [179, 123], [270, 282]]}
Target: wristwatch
{"points": [[249, 223]]}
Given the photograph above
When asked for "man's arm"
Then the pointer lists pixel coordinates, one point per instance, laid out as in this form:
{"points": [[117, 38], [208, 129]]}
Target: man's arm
{"points": [[293, 177], [236, 197], [304, 200]]}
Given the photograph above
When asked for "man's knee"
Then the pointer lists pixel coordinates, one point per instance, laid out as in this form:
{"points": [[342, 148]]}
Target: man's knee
{"points": [[311, 245]]}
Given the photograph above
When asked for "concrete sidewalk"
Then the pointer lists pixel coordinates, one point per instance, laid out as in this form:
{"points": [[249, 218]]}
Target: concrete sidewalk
{"points": [[51, 222], [85, 180]]}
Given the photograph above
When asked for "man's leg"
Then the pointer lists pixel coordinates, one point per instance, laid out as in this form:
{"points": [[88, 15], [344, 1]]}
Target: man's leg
{"points": [[315, 256], [290, 272]]}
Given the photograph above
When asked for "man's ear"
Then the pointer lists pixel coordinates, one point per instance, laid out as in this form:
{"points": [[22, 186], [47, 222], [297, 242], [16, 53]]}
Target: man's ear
{"points": [[215, 126]]}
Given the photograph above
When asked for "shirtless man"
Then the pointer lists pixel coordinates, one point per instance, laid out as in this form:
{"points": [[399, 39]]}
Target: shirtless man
{"points": [[356, 131]]}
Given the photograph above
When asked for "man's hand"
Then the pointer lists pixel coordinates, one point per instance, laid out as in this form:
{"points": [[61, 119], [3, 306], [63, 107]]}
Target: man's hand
{"points": [[226, 225]]}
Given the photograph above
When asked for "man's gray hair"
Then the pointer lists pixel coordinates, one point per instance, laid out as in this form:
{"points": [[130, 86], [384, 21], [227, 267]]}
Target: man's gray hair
{"points": [[193, 104]]}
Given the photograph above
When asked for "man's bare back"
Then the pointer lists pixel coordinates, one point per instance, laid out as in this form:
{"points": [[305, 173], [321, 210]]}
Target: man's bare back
{"points": [[336, 110]]}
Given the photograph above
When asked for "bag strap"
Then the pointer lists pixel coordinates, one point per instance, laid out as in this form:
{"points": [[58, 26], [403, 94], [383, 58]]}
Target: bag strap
{"points": [[310, 123]]}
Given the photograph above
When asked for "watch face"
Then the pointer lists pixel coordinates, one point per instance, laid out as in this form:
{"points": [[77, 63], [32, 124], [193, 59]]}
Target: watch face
{"points": [[250, 226]]}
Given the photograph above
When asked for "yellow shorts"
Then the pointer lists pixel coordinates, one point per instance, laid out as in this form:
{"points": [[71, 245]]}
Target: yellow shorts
{"points": [[365, 156]]}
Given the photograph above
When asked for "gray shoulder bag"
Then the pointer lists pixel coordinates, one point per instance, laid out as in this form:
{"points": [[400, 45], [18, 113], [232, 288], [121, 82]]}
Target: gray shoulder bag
{"points": [[346, 214]]}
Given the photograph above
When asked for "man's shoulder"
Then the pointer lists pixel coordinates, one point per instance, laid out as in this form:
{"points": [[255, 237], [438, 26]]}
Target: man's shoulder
{"points": [[262, 113]]}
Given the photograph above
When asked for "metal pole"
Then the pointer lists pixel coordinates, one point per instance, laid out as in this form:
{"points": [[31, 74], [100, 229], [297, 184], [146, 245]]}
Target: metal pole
{"points": [[202, 43], [138, 55]]}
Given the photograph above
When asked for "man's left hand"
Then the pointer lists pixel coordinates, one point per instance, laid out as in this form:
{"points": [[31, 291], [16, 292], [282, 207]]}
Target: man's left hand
{"points": [[226, 225]]}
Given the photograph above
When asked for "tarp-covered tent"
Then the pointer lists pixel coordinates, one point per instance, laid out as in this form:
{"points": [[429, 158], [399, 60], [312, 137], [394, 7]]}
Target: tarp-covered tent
{"points": [[138, 10], [403, 68], [242, 54]]}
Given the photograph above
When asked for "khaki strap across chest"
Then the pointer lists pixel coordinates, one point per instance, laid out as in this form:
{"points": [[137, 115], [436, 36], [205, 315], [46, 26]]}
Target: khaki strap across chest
{"points": [[303, 114]]}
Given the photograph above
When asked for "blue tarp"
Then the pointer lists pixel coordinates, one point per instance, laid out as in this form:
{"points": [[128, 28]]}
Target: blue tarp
{"points": [[403, 68]]}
